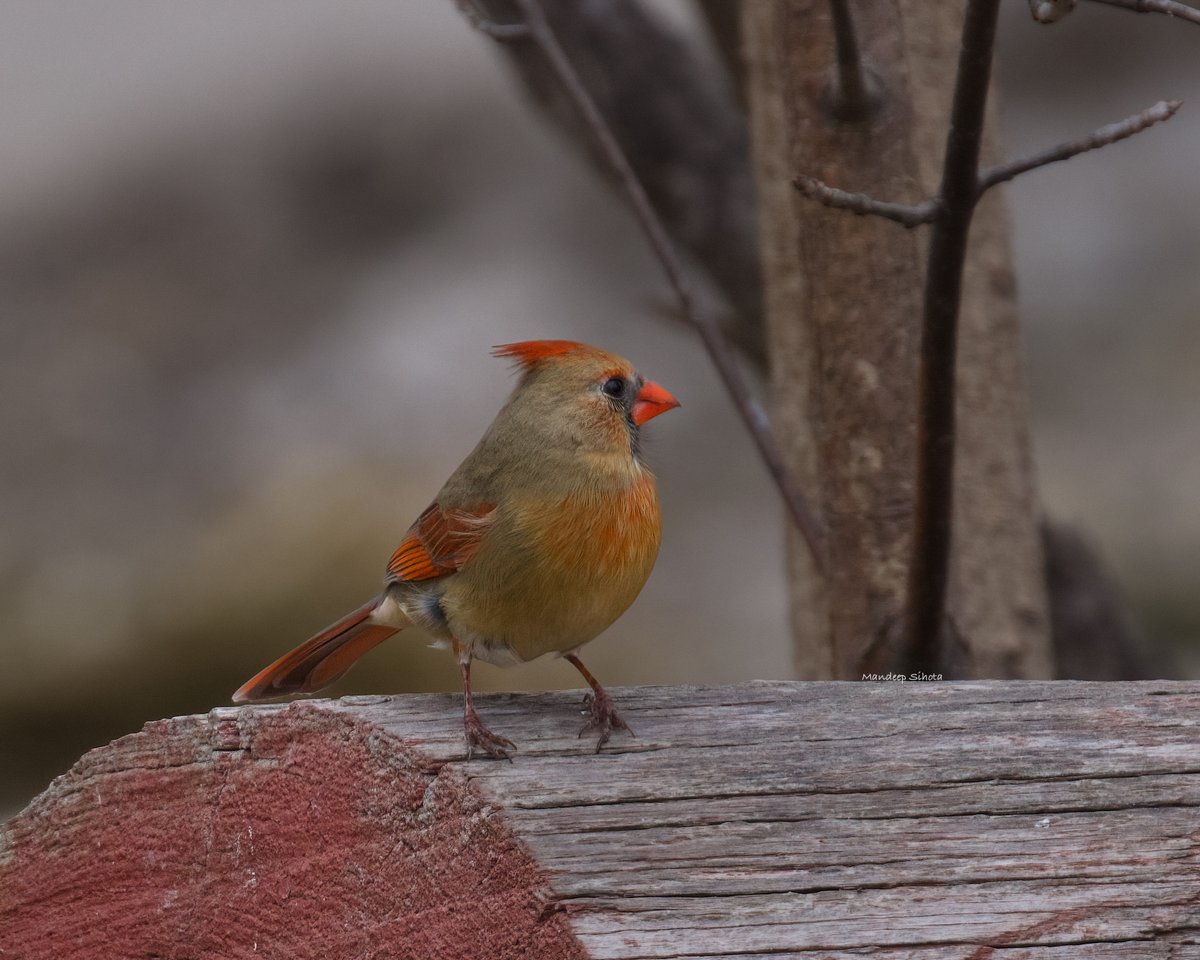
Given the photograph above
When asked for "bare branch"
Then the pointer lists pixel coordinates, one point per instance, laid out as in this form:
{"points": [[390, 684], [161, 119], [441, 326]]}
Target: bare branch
{"points": [[1170, 7], [681, 129], [751, 412], [928, 571], [1050, 11], [489, 27], [1163, 110], [914, 215], [907, 215], [853, 97]]}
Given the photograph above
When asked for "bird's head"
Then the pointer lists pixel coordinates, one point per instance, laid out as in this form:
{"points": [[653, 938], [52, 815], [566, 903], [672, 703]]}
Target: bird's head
{"points": [[595, 397]]}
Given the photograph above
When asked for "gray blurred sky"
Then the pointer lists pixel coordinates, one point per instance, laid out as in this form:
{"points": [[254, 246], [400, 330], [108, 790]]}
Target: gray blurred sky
{"points": [[398, 380]]}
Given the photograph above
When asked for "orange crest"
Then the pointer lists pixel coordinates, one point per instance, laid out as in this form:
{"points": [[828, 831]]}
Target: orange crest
{"points": [[529, 352]]}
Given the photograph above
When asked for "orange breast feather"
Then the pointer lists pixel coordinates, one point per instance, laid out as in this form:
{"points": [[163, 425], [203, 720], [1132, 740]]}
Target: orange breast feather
{"points": [[611, 533]]}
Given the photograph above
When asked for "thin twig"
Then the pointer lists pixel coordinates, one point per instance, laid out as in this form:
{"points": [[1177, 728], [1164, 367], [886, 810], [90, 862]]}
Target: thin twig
{"points": [[752, 414], [908, 215], [853, 98], [916, 214], [1170, 7], [932, 515], [1002, 172]]}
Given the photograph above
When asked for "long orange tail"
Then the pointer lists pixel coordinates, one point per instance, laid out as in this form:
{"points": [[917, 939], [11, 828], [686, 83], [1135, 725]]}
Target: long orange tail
{"points": [[316, 663]]}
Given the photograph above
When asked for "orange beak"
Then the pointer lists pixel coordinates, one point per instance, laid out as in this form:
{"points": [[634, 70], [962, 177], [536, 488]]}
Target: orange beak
{"points": [[651, 401]]}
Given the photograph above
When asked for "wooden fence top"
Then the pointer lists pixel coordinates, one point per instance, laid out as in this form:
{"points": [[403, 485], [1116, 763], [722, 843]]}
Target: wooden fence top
{"points": [[780, 820]]}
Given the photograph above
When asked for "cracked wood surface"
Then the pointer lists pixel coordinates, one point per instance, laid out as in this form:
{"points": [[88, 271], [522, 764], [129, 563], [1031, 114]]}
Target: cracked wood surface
{"points": [[782, 820]]}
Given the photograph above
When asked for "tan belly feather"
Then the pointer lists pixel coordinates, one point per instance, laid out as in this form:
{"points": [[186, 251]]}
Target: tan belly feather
{"points": [[582, 563]]}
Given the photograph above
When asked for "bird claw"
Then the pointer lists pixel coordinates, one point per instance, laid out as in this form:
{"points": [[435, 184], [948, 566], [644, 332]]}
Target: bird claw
{"points": [[603, 717], [477, 735]]}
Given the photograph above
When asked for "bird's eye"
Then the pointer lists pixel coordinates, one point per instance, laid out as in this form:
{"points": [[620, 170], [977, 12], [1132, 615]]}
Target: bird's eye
{"points": [[613, 386]]}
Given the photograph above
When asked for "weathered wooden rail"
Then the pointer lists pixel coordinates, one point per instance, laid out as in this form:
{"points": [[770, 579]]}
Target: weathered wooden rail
{"points": [[781, 820]]}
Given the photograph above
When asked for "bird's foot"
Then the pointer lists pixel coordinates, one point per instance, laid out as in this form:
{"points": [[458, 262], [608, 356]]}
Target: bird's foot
{"points": [[603, 717], [479, 736]]}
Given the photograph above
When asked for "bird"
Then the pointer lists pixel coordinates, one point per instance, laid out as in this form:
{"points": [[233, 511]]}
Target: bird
{"points": [[542, 538]]}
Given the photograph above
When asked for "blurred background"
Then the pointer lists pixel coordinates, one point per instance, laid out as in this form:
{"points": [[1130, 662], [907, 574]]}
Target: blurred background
{"points": [[252, 258]]}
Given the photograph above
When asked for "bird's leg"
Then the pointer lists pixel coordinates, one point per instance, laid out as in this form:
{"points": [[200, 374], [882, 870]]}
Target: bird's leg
{"points": [[603, 716], [476, 733]]}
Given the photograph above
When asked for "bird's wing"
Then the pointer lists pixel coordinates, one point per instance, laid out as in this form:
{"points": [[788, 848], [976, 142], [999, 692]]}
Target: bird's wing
{"points": [[439, 543]]}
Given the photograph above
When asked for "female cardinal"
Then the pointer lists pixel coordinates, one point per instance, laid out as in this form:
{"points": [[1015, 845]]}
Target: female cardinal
{"points": [[540, 539]]}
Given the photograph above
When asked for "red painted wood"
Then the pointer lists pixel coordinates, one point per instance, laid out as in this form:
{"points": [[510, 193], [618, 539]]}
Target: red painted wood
{"points": [[301, 833]]}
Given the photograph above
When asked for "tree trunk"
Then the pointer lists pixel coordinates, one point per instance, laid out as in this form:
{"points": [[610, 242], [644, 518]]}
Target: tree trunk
{"points": [[843, 308]]}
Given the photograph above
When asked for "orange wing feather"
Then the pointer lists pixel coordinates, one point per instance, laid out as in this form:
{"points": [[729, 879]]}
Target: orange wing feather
{"points": [[439, 543]]}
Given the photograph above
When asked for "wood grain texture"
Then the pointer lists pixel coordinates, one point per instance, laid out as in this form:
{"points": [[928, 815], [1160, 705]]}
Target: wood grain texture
{"points": [[783, 820]]}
